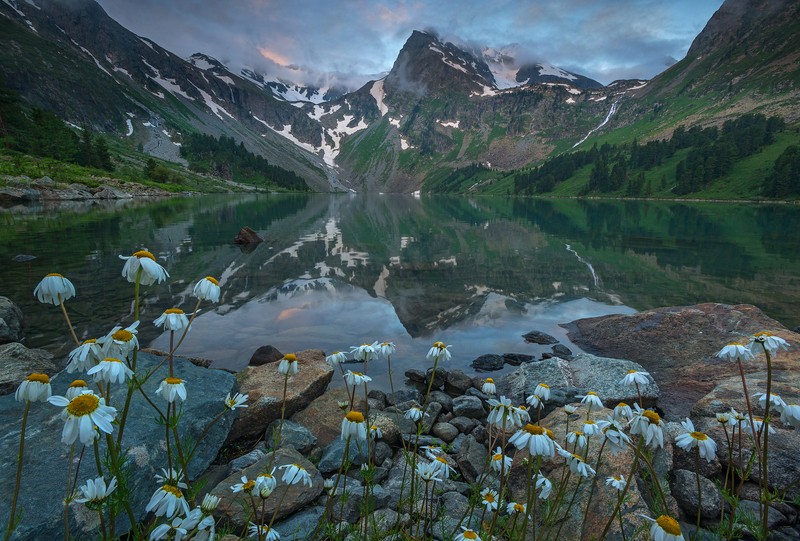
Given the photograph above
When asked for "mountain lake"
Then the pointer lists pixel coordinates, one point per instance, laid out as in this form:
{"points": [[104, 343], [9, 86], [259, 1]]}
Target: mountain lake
{"points": [[336, 271]]}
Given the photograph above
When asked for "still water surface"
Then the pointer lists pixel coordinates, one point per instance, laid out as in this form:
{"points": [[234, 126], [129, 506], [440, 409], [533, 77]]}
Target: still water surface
{"points": [[336, 271]]}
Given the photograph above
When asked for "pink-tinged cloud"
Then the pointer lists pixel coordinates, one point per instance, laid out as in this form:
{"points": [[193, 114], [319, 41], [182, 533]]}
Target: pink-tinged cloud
{"points": [[274, 56]]}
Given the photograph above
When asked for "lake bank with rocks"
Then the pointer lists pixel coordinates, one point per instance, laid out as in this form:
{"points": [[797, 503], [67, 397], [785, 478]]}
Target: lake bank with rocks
{"points": [[676, 346]]}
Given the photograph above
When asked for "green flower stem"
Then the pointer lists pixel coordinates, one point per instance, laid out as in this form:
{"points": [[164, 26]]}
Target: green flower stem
{"points": [[185, 330], [13, 512], [699, 490], [765, 461], [571, 502], [624, 491], [656, 481], [133, 384], [594, 481], [69, 323], [68, 497]]}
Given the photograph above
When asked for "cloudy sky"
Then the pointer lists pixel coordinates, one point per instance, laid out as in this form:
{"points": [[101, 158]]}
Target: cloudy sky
{"points": [[357, 39]]}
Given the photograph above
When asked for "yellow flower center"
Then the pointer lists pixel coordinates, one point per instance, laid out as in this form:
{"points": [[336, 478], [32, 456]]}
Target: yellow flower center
{"points": [[291, 357], [83, 405], [111, 360], [699, 436], [439, 345], [78, 383], [173, 381], [123, 335], [523, 408], [632, 371], [550, 433], [546, 386], [173, 311], [669, 525], [578, 458], [355, 417], [588, 422], [763, 334], [618, 478], [357, 374], [144, 253], [212, 280], [469, 534], [497, 457], [622, 405], [54, 274], [248, 486], [489, 497], [40, 378], [441, 459], [652, 416], [267, 475], [171, 489], [591, 393], [90, 341], [535, 430], [578, 433], [489, 380]]}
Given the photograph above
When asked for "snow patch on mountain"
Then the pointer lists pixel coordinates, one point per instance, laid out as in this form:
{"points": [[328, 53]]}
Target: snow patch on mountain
{"points": [[449, 124], [446, 60], [547, 69], [201, 63], [85, 50], [378, 93]]}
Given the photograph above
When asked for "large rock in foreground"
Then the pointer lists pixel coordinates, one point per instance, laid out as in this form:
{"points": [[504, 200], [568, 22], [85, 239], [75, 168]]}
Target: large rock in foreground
{"points": [[46, 458], [677, 345], [11, 321], [265, 386]]}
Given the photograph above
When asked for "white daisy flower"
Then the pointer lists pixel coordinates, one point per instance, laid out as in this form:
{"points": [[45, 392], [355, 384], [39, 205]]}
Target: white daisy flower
{"points": [[210, 503], [413, 413], [288, 365], [428, 472], [775, 401], [570, 409], [353, 425], [173, 319], [615, 438], [576, 437], [85, 356], [791, 415], [439, 351], [237, 401], [335, 359], [82, 414], [634, 377], [266, 481], [489, 387], [263, 532], [110, 370], [54, 289], [500, 410], [738, 418], [172, 389], [467, 535], [95, 492], [544, 486], [170, 477], [622, 412], [35, 388], [387, 348], [365, 352], [356, 378], [693, 438], [513, 508], [535, 439], [592, 399], [542, 391], [758, 423], [207, 289], [519, 416], [167, 501], [75, 388], [534, 401], [375, 432], [736, 351], [444, 467], [432, 451], [500, 462], [294, 474], [170, 530], [151, 271], [725, 419], [616, 482], [578, 466], [247, 486], [591, 428], [664, 528], [489, 499], [648, 424], [768, 342], [120, 343]]}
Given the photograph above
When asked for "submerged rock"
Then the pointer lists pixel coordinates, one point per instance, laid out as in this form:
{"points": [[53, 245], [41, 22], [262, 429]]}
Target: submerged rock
{"points": [[11, 321]]}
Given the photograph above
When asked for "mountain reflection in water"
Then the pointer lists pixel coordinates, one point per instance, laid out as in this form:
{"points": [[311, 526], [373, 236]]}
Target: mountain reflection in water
{"points": [[336, 271]]}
